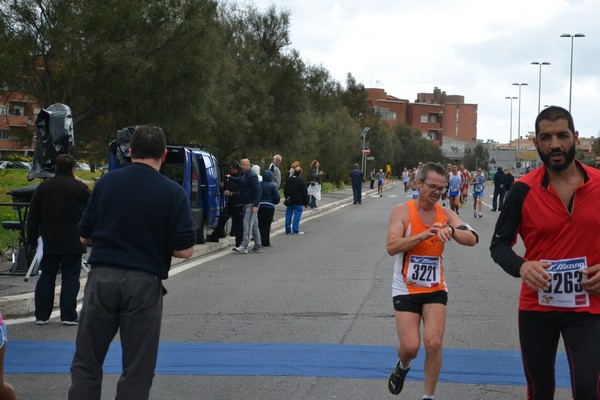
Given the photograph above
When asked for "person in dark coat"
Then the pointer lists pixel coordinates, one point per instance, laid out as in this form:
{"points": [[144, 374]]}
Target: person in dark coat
{"points": [[356, 176], [297, 198], [54, 213], [499, 189], [266, 208]]}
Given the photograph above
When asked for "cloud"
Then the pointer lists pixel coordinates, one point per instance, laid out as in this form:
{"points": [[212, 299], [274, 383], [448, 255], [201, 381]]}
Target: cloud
{"points": [[465, 47]]}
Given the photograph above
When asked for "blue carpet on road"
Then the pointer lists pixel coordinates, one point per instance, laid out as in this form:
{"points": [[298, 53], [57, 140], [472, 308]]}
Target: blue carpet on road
{"points": [[254, 359]]}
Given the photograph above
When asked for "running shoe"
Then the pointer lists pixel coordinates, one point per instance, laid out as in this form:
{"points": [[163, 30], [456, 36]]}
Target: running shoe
{"points": [[257, 249], [396, 379], [241, 249], [41, 322]]}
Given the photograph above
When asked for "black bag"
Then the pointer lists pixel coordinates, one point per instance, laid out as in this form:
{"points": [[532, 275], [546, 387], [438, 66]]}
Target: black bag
{"points": [[288, 201]]}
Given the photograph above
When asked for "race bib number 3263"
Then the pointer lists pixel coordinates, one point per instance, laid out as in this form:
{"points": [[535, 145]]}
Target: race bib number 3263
{"points": [[565, 288], [423, 271]]}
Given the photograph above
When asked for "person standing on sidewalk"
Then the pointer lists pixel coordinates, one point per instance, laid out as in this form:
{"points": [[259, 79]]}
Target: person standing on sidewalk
{"points": [[297, 198], [136, 220], [250, 194], [554, 209], [356, 177], [417, 234], [372, 178], [55, 210], [266, 208], [275, 169]]}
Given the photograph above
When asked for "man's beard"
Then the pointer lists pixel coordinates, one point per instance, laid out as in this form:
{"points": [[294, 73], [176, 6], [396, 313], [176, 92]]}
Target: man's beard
{"points": [[569, 157]]}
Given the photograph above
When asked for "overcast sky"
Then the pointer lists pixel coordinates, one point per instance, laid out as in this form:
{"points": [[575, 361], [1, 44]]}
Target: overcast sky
{"points": [[474, 48]]}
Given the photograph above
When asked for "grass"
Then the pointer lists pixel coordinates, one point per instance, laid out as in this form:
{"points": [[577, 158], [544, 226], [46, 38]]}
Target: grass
{"points": [[11, 179]]}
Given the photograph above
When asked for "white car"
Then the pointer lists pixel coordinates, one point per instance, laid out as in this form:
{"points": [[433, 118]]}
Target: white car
{"points": [[83, 166]]}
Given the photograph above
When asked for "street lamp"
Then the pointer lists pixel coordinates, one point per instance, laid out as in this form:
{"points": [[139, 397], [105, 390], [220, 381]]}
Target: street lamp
{"points": [[571, 73], [511, 119], [364, 153], [519, 123], [540, 80]]}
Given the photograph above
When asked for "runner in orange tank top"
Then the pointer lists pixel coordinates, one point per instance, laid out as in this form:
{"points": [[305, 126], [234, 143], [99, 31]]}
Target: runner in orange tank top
{"points": [[417, 233]]}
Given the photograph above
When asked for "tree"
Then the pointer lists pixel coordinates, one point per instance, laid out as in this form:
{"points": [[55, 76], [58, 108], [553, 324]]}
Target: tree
{"points": [[478, 157]]}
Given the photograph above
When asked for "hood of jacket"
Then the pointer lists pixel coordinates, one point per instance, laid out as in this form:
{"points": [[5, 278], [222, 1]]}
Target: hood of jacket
{"points": [[267, 176]]}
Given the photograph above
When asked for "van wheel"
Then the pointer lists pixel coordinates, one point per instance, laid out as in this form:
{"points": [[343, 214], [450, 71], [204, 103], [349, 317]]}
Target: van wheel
{"points": [[202, 232]]}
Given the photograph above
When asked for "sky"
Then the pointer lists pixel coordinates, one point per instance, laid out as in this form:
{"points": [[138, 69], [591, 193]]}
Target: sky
{"points": [[473, 48]]}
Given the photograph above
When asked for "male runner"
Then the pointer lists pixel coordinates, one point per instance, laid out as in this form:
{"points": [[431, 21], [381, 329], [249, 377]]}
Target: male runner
{"points": [[554, 210], [417, 233], [454, 186], [478, 183]]}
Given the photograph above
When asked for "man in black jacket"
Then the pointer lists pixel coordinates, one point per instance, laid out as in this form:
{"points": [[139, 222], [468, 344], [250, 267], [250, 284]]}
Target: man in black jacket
{"points": [[499, 189], [54, 213]]}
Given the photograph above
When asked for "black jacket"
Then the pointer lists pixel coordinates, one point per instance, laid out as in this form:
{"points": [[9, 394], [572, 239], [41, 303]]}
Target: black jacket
{"points": [[55, 210], [295, 189]]}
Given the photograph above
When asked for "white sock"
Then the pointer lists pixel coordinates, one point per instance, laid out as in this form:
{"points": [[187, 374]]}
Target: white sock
{"points": [[402, 366]]}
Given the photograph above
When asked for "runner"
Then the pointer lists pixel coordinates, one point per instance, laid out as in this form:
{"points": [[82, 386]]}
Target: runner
{"points": [[478, 183], [417, 233], [454, 185], [464, 188], [554, 210]]}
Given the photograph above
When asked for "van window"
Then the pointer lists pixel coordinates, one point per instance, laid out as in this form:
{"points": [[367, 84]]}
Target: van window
{"points": [[195, 186]]}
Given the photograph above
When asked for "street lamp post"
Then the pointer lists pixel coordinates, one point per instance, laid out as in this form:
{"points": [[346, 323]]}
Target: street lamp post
{"points": [[519, 120], [571, 71], [511, 119], [540, 80], [364, 154]]}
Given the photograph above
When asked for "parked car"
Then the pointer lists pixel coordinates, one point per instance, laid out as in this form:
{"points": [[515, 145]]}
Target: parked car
{"points": [[15, 165], [83, 166]]}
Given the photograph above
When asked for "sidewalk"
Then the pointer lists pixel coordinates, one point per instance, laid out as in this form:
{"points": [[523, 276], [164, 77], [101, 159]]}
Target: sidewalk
{"points": [[17, 296]]}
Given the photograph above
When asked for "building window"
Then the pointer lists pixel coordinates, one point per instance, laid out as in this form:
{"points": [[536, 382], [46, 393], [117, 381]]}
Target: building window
{"points": [[432, 135], [386, 114], [433, 118], [424, 119], [3, 134], [3, 110]]}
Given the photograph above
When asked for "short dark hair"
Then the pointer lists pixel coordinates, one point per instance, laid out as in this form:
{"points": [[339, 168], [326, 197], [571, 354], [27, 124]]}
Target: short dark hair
{"points": [[554, 113], [148, 142], [65, 163], [430, 167]]}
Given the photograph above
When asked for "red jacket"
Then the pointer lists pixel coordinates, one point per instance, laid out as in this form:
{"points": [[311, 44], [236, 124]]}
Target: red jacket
{"points": [[548, 230]]}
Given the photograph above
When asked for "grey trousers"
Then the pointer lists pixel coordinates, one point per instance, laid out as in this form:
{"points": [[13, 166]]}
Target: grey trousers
{"points": [[117, 299], [250, 227]]}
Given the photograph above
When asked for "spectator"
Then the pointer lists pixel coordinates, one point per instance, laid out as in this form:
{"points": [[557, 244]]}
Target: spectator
{"points": [[499, 189], [250, 194], [315, 183], [372, 178], [54, 213], [136, 220], [296, 197], [356, 177], [266, 209], [275, 169], [234, 209], [510, 179]]}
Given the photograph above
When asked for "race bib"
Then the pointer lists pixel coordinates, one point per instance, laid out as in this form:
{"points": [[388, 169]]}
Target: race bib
{"points": [[454, 186], [565, 288], [423, 271], [478, 187]]}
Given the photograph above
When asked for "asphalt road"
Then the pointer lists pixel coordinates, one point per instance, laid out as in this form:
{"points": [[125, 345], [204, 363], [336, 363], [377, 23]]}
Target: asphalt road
{"points": [[310, 318]]}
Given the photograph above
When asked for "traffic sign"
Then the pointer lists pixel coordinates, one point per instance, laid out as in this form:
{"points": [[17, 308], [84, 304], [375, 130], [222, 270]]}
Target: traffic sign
{"points": [[366, 151]]}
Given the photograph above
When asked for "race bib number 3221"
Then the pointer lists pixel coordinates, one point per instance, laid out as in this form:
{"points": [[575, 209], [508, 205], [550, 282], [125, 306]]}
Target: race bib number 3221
{"points": [[423, 271], [565, 288]]}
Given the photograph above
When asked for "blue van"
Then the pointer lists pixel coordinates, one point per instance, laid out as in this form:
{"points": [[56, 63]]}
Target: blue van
{"points": [[195, 169]]}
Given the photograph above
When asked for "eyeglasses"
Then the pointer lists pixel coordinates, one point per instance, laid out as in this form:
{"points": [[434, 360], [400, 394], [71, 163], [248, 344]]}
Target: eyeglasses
{"points": [[434, 188]]}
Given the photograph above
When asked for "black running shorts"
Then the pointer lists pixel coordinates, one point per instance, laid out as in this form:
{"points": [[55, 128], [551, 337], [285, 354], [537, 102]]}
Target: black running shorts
{"points": [[414, 302]]}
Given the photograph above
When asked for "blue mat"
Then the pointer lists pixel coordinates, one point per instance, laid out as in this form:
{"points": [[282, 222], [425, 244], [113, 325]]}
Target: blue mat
{"points": [[255, 359]]}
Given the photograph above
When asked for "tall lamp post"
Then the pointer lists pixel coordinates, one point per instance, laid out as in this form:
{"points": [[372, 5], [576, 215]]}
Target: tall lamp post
{"points": [[511, 119], [364, 150], [519, 120], [571, 71], [540, 80]]}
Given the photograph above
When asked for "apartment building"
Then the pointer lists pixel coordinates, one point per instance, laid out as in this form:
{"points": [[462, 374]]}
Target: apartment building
{"points": [[436, 114], [17, 118]]}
